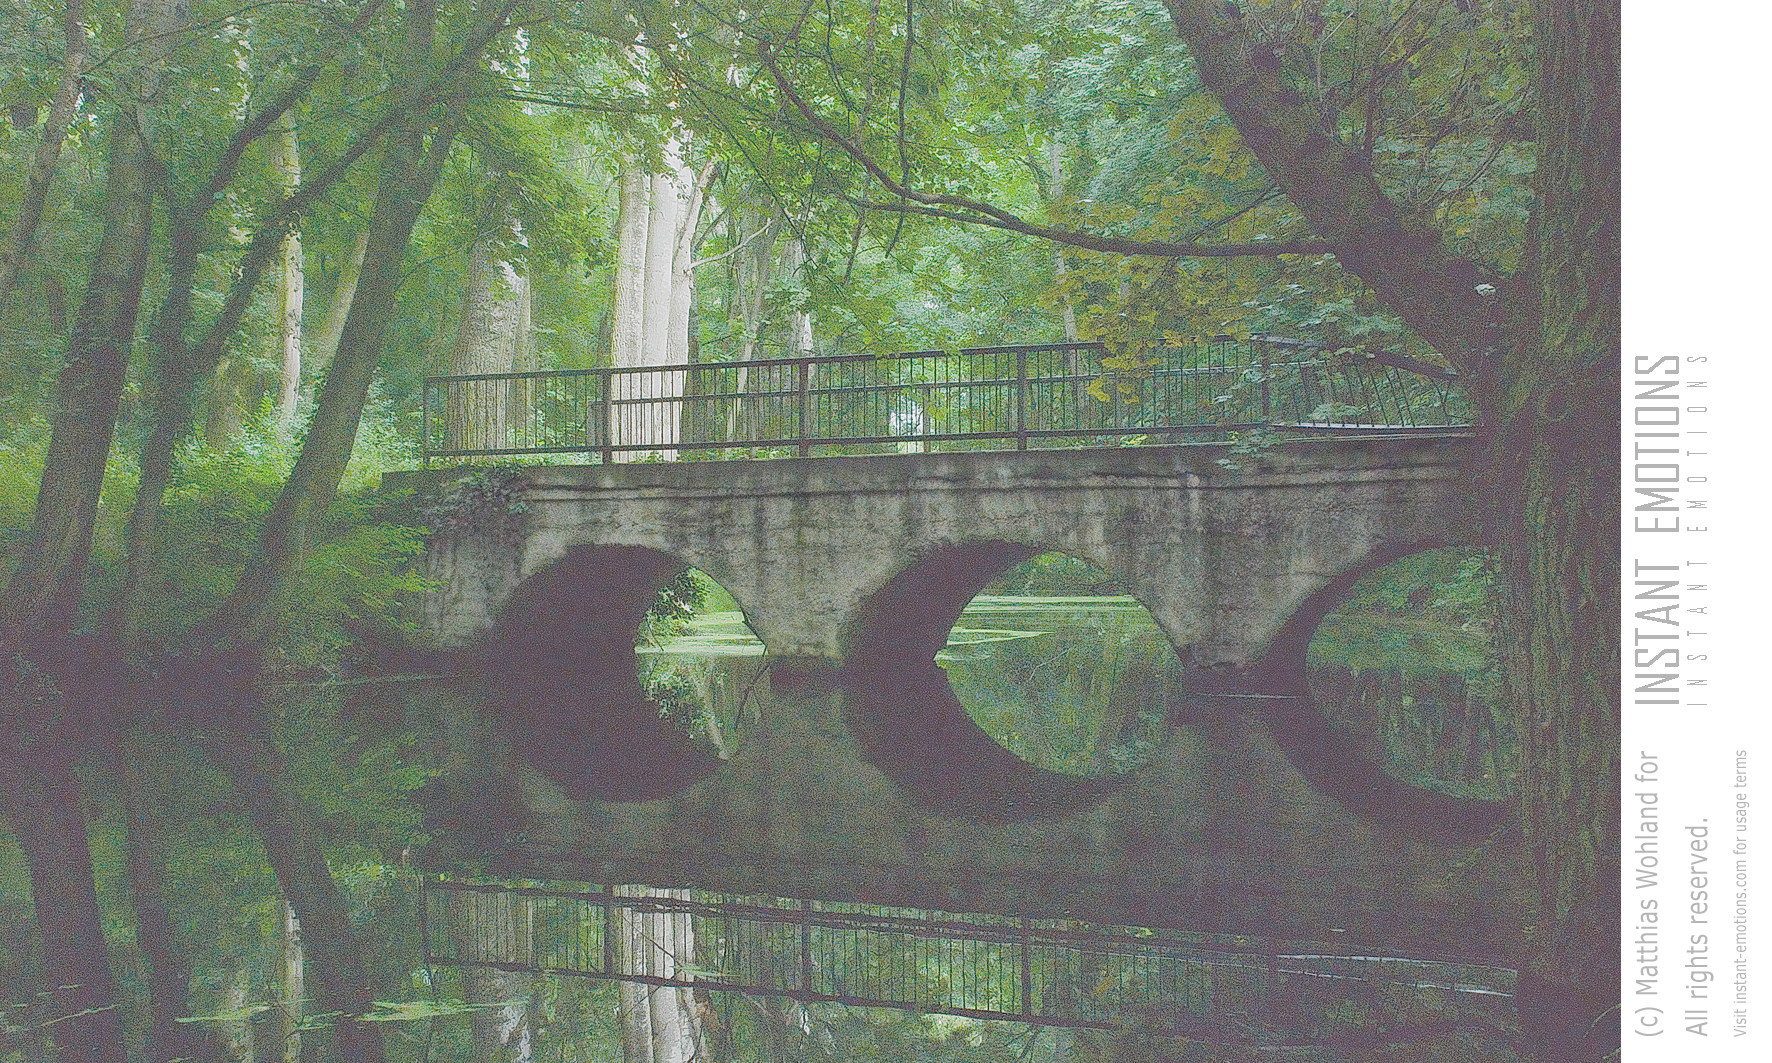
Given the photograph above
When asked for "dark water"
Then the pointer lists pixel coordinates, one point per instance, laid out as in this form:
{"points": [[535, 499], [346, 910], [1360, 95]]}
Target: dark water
{"points": [[1078, 683]]}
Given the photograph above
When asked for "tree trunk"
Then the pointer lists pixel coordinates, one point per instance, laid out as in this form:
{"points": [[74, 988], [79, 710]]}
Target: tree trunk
{"points": [[236, 1029], [660, 1024], [1555, 457], [22, 237], [495, 926], [487, 341], [659, 419], [750, 286], [40, 667], [292, 281], [339, 306], [1540, 355], [286, 1029], [167, 965], [292, 834], [1060, 264], [42, 803], [628, 332]]}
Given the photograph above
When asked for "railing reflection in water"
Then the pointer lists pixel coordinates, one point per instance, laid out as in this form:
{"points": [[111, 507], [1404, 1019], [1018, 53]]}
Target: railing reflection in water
{"points": [[1042, 971]]}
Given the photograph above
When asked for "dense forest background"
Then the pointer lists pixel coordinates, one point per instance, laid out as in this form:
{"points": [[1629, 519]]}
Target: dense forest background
{"points": [[238, 237]]}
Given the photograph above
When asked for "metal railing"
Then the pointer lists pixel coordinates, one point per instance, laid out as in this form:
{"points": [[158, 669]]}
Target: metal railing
{"points": [[1041, 971], [980, 398]]}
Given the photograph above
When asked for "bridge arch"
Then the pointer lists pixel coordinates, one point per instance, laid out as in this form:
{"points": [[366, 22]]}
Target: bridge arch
{"points": [[559, 671], [905, 715], [1334, 762]]}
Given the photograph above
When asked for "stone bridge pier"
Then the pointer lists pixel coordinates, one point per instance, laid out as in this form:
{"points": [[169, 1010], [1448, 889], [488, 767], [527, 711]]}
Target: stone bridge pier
{"points": [[863, 779]]}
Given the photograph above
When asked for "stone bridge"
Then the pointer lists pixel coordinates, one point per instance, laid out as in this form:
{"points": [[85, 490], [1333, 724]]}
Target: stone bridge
{"points": [[865, 780]]}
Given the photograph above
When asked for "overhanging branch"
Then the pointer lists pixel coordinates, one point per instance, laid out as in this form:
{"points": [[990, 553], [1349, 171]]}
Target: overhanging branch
{"points": [[974, 212], [1120, 245]]}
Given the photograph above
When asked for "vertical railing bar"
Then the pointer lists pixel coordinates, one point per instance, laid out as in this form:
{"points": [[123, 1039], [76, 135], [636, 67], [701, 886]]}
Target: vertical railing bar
{"points": [[608, 903], [608, 378], [1021, 399], [805, 945], [1027, 966], [425, 416], [805, 384], [424, 921]]}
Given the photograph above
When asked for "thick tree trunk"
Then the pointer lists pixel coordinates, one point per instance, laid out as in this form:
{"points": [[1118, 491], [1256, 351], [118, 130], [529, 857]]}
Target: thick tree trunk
{"points": [[627, 340], [488, 339], [42, 803], [1556, 451], [659, 419], [1541, 356]]}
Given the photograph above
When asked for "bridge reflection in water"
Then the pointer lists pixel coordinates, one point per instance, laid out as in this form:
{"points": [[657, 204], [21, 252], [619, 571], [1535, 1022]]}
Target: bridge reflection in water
{"points": [[1047, 972]]}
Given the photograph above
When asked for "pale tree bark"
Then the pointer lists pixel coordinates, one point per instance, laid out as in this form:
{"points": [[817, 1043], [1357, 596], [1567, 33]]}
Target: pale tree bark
{"points": [[694, 186], [1060, 265], [750, 274], [236, 1028], [237, 384], [654, 293], [660, 1024], [494, 303], [659, 419], [21, 238], [292, 281], [286, 1030], [344, 289], [500, 927], [629, 319], [799, 323]]}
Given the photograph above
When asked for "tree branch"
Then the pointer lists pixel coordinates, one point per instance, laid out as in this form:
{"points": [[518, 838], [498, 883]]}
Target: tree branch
{"points": [[1119, 245], [975, 212], [1450, 301]]}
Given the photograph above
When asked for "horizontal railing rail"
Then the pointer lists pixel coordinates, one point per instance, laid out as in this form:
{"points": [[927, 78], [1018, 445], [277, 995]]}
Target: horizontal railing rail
{"points": [[1021, 396], [1022, 969]]}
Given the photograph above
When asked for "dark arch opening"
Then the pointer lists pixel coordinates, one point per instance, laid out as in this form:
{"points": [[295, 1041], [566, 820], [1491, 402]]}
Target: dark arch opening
{"points": [[905, 715], [560, 674], [1339, 763]]}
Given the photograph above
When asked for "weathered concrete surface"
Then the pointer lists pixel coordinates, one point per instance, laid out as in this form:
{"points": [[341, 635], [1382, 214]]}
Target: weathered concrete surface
{"points": [[864, 780], [1220, 554]]}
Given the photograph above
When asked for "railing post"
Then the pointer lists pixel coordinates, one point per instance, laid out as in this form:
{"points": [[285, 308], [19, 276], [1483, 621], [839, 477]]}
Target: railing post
{"points": [[805, 390], [609, 930], [1027, 966], [805, 947], [1021, 399], [424, 918], [1266, 367], [426, 426], [608, 377]]}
